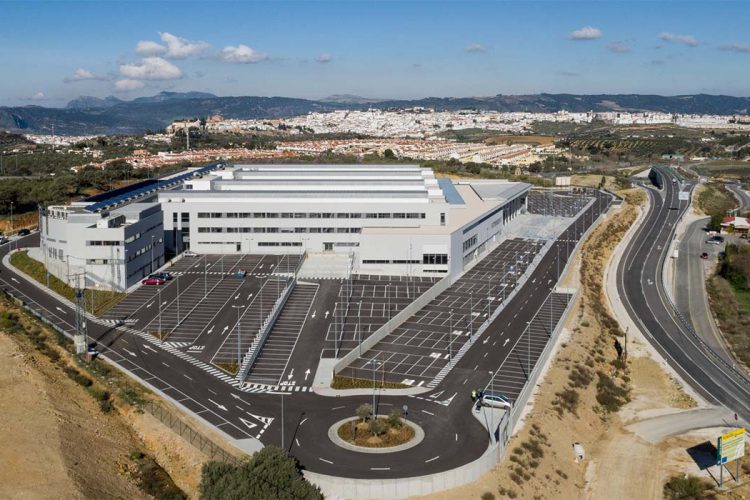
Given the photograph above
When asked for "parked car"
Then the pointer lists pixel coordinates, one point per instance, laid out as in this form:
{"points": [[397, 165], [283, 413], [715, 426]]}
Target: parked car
{"points": [[189, 253], [3, 240], [24, 232], [704, 255], [162, 275], [496, 399], [715, 240], [153, 280]]}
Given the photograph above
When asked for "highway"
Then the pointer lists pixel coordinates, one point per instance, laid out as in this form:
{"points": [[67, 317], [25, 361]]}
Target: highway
{"points": [[640, 285], [453, 437]]}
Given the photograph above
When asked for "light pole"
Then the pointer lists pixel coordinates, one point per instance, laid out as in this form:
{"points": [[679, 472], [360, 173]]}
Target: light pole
{"points": [[239, 343], [205, 276], [152, 253], [450, 338], [177, 280], [10, 245], [471, 315], [359, 327], [160, 334]]}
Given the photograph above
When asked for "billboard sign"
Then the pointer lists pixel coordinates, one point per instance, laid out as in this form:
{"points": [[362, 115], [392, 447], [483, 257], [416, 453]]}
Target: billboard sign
{"points": [[731, 446]]}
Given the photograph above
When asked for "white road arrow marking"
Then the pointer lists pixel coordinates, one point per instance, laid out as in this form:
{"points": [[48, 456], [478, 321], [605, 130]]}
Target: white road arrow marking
{"points": [[210, 330], [149, 304], [314, 313], [506, 341], [291, 374], [14, 279], [164, 303], [130, 352], [224, 330], [307, 372], [235, 396], [327, 313], [486, 340], [237, 297], [218, 405], [249, 295], [146, 346], [249, 424]]}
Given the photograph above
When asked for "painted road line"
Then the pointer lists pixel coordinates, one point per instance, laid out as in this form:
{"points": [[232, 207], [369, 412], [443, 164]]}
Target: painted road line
{"points": [[61, 310], [431, 459], [427, 412], [187, 377], [338, 408], [380, 468], [217, 404], [324, 460]]}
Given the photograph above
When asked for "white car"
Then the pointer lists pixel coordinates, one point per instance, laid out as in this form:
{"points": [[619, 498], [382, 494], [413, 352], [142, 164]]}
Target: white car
{"points": [[189, 253], [496, 400]]}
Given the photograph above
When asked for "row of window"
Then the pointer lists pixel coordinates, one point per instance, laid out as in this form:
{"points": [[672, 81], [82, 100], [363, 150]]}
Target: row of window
{"points": [[434, 258], [377, 261], [104, 243], [54, 253], [279, 244], [470, 242], [311, 215], [339, 230]]}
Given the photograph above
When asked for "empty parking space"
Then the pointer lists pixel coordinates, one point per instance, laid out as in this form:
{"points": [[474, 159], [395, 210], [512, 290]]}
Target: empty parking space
{"points": [[417, 351], [557, 203], [276, 352], [364, 304], [512, 375]]}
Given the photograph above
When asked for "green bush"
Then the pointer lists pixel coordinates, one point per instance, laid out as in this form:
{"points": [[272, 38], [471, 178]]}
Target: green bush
{"points": [[610, 396], [364, 411], [394, 418], [688, 488], [377, 426], [270, 473]]}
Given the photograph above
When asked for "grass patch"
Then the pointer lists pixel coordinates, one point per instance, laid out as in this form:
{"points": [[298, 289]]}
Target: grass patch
{"points": [[230, 368], [102, 300], [341, 383], [731, 306], [714, 199]]}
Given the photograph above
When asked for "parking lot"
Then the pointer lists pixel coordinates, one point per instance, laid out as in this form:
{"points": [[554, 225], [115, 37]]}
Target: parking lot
{"points": [[197, 309], [373, 300], [512, 375], [417, 351], [557, 203]]}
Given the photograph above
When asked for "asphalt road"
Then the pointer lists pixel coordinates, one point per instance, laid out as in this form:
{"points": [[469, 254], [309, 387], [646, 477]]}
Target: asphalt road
{"points": [[453, 437], [642, 290]]}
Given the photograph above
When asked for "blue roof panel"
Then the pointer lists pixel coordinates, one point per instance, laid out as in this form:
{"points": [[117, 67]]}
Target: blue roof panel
{"points": [[450, 192]]}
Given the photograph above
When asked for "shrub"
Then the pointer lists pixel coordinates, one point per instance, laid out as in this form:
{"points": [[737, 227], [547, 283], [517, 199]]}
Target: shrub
{"points": [[609, 395], [364, 411], [377, 426], [394, 418], [105, 405], [270, 473], [487, 496], [567, 399], [688, 487]]}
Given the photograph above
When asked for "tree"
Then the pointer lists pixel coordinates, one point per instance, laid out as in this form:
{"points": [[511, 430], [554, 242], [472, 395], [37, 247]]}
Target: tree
{"points": [[270, 473], [364, 411], [388, 153], [394, 418]]}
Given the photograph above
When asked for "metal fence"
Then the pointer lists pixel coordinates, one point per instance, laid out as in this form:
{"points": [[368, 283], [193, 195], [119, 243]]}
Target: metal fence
{"points": [[194, 437]]}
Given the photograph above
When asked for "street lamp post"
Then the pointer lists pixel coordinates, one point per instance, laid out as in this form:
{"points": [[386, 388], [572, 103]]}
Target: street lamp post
{"points": [[160, 334], [10, 245], [450, 338], [152, 253], [239, 343]]}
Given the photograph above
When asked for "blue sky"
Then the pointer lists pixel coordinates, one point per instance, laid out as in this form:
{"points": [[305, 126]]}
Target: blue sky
{"points": [[54, 51]]}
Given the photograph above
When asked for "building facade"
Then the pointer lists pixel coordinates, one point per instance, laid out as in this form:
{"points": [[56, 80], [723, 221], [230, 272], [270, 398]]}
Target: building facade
{"points": [[109, 249], [391, 219]]}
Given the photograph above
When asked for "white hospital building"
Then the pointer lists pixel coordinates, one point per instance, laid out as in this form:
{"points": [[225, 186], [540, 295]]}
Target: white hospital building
{"points": [[391, 219]]}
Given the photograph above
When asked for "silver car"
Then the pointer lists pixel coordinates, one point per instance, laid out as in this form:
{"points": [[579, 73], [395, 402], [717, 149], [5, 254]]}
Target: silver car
{"points": [[496, 399]]}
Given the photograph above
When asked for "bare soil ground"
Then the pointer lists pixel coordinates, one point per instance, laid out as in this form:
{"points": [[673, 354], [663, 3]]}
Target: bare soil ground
{"points": [[56, 441]]}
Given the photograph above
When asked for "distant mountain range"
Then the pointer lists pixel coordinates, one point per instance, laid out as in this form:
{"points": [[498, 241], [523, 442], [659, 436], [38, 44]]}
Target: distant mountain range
{"points": [[92, 115]]}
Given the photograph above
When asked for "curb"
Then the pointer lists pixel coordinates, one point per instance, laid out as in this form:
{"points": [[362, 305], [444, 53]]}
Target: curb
{"points": [[334, 437]]}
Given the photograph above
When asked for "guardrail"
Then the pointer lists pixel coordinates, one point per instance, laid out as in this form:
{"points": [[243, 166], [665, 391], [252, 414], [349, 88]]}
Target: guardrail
{"points": [[264, 331]]}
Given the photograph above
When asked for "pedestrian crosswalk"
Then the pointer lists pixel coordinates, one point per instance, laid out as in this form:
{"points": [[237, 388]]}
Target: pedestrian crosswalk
{"points": [[259, 388]]}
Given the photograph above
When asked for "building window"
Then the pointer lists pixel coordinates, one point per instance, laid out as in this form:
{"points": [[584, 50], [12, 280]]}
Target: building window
{"points": [[434, 258], [442, 218]]}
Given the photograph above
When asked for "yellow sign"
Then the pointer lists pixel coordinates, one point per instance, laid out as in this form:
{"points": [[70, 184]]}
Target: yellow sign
{"points": [[731, 446]]}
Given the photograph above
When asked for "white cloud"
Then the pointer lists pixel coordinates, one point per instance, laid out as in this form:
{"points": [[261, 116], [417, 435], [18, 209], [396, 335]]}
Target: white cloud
{"points": [[151, 68], [688, 40], [82, 74], [618, 47], [737, 47], [149, 48], [323, 58], [174, 47], [126, 85], [241, 54], [586, 33], [39, 96], [474, 48], [180, 48]]}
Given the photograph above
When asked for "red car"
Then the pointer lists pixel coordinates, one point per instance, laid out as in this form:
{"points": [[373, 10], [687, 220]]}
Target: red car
{"points": [[153, 280]]}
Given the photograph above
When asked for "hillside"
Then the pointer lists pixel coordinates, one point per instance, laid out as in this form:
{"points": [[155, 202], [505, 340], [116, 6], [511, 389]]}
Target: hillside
{"points": [[87, 115]]}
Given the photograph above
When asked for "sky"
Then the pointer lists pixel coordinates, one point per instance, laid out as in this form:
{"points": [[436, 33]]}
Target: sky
{"points": [[54, 51]]}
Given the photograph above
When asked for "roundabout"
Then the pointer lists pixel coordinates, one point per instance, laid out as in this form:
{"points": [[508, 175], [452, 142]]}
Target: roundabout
{"points": [[354, 434]]}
